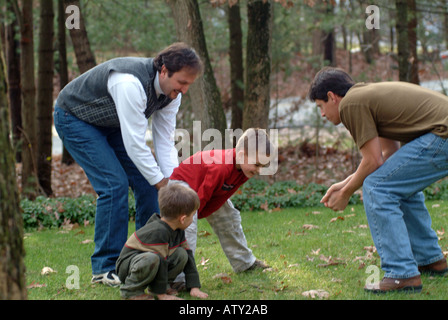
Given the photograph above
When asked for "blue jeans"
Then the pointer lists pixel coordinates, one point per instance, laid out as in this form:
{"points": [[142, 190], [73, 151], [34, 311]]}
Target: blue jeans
{"points": [[395, 206], [101, 153]]}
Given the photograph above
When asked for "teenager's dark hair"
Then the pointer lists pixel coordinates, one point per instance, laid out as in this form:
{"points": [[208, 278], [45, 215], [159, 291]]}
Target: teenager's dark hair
{"points": [[330, 79], [177, 56]]}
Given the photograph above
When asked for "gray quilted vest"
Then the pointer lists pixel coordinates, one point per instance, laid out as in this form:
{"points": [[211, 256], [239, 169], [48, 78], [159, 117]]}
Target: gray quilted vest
{"points": [[88, 99]]}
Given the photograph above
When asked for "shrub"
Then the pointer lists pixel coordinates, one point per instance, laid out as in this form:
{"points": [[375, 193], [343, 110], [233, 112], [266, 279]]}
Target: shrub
{"points": [[53, 212], [258, 194], [253, 195]]}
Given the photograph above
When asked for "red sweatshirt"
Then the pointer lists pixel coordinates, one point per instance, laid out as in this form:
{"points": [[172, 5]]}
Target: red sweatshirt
{"points": [[213, 175]]}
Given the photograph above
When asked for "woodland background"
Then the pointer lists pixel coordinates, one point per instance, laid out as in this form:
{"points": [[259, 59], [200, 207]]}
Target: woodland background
{"points": [[256, 53]]}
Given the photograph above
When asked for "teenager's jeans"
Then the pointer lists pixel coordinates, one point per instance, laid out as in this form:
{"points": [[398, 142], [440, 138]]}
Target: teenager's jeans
{"points": [[101, 153], [394, 203]]}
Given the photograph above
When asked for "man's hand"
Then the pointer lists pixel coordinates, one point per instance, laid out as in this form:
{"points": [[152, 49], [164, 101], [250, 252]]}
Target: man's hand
{"points": [[338, 195], [337, 200], [162, 183]]}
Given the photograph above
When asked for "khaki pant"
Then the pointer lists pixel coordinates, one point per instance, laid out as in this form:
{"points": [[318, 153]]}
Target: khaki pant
{"points": [[226, 223]]}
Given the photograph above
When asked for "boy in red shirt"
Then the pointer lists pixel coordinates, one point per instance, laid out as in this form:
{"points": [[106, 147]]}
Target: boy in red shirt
{"points": [[216, 175]]}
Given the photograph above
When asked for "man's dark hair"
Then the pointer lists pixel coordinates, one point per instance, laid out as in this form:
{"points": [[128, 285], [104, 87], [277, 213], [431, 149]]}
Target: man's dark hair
{"points": [[177, 56], [330, 79]]}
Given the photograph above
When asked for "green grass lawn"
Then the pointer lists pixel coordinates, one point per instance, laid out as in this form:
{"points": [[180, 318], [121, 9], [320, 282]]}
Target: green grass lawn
{"points": [[307, 249]]}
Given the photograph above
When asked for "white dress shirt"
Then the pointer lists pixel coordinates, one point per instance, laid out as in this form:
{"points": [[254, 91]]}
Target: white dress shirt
{"points": [[130, 100]]}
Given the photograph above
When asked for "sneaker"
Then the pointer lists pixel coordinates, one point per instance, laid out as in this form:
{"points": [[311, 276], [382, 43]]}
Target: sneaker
{"points": [[258, 264], [110, 278]]}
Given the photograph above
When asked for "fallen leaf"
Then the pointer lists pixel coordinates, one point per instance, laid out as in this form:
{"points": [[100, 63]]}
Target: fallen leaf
{"points": [[315, 252], [321, 294], [265, 206], [35, 285], [204, 233], [46, 271], [338, 218], [226, 280], [224, 277], [370, 248], [86, 241], [204, 261], [309, 227], [329, 261], [293, 265]]}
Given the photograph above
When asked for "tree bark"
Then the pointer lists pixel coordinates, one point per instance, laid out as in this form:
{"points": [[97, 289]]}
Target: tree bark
{"points": [[258, 65], [402, 39], [13, 71], [412, 36], [329, 39], [84, 55], [29, 141], [45, 95], [12, 268], [204, 93], [236, 66], [62, 66]]}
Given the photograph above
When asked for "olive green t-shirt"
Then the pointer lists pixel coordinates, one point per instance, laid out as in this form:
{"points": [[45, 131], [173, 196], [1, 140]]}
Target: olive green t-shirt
{"points": [[399, 111]]}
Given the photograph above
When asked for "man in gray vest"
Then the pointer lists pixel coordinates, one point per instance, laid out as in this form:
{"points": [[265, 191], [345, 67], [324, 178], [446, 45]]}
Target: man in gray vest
{"points": [[102, 119]]}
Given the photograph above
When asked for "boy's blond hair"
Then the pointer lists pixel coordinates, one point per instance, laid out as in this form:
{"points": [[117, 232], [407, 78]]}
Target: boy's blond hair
{"points": [[255, 142], [176, 200]]}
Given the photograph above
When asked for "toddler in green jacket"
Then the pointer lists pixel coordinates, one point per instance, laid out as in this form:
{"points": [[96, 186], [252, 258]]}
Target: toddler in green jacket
{"points": [[155, 254]]}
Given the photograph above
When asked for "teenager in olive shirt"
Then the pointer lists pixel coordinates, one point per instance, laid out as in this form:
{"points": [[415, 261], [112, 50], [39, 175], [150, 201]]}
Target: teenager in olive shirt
{"points": [[401, 130]]}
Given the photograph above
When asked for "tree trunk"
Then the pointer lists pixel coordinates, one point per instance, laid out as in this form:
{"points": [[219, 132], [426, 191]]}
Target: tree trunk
{"points": [[236, 66], [258, 65], [412, 35], [29, 177], [81, 44], [45, 95], [12, 268], [444, 4], [62, 66], [13, 74], [329, 40], [204, 93], [402, 39]]}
